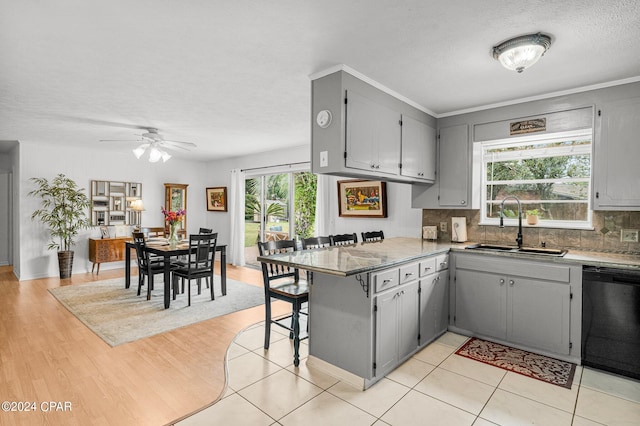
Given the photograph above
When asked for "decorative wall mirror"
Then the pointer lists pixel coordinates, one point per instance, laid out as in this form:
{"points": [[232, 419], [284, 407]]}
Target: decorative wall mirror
{"points": [[175, 198]]}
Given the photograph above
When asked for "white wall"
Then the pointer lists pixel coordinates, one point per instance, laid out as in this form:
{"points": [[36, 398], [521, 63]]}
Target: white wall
{"points": [[5, 214], [402, 220], [219, 174], [91, 163], [33, 260]]}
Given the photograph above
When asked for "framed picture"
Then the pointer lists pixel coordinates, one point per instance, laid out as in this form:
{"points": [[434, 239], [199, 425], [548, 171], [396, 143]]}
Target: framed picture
{"points": [[217, 199], [362, 198], [104, 231]]}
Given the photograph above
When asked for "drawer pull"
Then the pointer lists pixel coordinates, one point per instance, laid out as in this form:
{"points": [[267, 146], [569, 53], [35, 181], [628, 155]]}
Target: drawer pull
{"points": [[387, 281], [511, 283], [408, 274], [501, 281]]}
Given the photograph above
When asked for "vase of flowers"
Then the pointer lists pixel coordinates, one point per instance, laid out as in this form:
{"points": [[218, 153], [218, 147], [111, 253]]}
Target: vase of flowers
{"points": [[173, 219]]}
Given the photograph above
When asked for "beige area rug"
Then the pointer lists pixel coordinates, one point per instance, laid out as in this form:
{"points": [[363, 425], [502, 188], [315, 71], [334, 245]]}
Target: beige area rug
{"points": [[119, 316], [532, 365]]}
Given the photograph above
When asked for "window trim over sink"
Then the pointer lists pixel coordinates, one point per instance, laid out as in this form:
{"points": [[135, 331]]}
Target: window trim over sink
{"points": [[530, 147]]}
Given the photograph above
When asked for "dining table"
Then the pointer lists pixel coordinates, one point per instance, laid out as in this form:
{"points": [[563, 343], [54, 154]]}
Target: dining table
{"points": [[161, 247]]}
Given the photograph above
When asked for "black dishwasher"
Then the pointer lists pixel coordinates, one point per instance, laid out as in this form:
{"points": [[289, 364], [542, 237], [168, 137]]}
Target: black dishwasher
{"points": [[611, 320]]}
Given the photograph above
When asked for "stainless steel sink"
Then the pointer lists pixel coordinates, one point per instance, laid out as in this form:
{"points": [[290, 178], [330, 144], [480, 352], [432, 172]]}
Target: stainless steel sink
{"points": [[524, 250]]}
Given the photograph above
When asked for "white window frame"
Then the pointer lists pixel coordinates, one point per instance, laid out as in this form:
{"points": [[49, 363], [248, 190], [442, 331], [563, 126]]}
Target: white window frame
{"points": [[526, 140]]}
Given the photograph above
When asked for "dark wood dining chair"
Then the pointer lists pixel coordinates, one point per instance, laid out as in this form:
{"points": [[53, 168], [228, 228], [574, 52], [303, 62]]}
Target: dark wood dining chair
{"points": [[202, 250], [146, 266], [206, 231], [283, 283], [372, 236], [315, 242], [343, 239], [151, 231]]}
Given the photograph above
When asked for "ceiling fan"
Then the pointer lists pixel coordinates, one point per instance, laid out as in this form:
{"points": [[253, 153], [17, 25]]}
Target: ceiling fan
{"points": [[156, 144]]}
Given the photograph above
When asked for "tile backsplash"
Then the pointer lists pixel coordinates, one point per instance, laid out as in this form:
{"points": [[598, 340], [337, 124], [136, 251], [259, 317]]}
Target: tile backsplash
{"points": [[605, 236]]}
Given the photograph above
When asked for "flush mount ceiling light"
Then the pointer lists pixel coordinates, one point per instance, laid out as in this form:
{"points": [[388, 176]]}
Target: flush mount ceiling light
{"points": [[521, 52]]}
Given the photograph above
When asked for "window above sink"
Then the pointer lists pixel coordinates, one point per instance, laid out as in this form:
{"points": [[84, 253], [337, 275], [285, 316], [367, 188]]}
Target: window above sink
{"points": [[549, 173]]}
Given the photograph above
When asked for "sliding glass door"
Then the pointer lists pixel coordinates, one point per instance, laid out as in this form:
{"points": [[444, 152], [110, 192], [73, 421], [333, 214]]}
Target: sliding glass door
{"points": [[278, 206]]}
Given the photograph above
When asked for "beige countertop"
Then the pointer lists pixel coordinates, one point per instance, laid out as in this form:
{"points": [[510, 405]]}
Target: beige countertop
{"points": [[366, 257]]}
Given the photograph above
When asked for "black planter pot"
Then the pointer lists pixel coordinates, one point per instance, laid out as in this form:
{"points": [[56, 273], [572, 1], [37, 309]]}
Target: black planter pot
{"points": [[65, 263]]}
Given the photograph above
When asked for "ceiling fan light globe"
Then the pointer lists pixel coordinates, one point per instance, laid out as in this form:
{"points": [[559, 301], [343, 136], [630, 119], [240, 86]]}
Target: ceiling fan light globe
{"points": [[139, 151], [154, 155], [165, 156]]}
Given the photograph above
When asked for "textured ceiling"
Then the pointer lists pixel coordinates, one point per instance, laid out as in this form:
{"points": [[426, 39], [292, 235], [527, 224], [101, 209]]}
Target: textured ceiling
{"points": [[233, 76]]}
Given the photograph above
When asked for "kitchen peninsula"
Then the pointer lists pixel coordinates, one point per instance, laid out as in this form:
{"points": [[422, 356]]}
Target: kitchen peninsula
{"points": [[372, 305]]}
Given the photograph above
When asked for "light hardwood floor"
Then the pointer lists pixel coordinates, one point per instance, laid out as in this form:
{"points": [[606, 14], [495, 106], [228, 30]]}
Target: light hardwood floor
{"points": [[47, 354]]}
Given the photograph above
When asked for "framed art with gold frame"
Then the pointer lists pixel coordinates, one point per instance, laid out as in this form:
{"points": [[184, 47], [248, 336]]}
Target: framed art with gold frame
{"points": [[362, 198], [217, 199]]}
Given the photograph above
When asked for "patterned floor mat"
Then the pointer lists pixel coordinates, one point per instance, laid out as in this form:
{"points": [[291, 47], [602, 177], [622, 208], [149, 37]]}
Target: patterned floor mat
{"points": [[536, 366]]}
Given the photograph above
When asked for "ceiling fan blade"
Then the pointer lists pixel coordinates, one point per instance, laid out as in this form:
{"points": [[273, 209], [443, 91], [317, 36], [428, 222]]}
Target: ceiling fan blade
{"points": [[121, 140], [179, 144]]}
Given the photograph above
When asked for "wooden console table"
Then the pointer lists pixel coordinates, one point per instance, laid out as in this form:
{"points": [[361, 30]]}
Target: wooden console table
{"points": [[106, 250]]}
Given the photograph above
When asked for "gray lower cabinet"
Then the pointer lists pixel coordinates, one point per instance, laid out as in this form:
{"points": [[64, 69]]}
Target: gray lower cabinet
{"points": [[368, 324], [527, 303], [434, 298], [396, 312]]}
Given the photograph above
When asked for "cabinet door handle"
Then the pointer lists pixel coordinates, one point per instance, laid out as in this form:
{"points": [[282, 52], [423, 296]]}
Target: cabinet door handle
{"points": [[427, 268], [438, 278], [511, 283], [463, 202], [443, 263], [501, 281]]}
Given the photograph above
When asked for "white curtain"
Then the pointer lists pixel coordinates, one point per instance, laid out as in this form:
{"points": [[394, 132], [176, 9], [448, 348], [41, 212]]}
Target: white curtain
{"points": [[323, 206], [236, 212]]}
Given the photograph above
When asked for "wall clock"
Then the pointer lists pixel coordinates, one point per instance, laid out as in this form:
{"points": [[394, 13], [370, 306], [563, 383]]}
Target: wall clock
{"points": [[324, 118]]}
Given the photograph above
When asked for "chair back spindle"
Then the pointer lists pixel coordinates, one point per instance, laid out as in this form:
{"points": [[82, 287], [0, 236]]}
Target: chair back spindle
{"points": [[372, 236], [343, 239], [315, 242]]}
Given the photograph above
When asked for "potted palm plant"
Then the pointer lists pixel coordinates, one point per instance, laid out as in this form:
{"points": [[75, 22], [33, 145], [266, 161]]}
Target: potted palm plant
{"points": [[63, 211]]}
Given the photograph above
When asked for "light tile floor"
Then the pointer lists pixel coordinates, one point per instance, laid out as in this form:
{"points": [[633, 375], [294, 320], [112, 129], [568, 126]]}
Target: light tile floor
{"points": [[434, 387]]}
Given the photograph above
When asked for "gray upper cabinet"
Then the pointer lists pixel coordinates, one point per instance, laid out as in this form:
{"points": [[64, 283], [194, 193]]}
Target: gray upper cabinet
{"points": [[454, 166], [359, 130], [617, 150], [418, 150], [452, 188], [373, 135]]}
